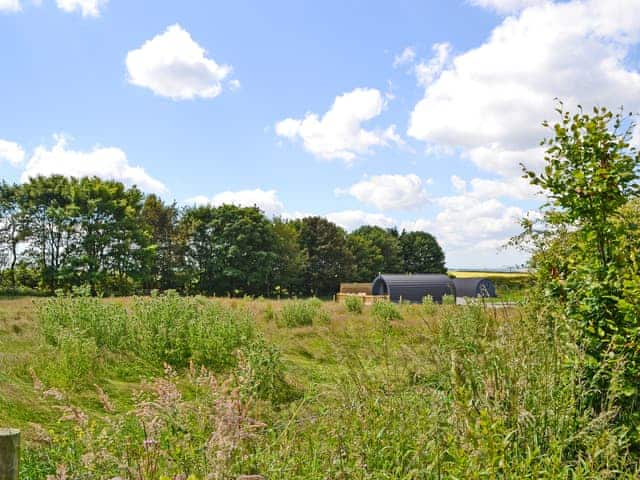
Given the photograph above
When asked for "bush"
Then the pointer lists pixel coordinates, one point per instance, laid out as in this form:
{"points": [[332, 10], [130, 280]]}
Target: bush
{"points": [[353, 304], [385, 310], [428, 305], [161, 329], [300, 313], [448, 300]]}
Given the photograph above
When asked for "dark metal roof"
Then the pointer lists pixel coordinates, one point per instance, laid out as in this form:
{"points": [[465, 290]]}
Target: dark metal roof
{"points": [[413, 287], [474, 287]]}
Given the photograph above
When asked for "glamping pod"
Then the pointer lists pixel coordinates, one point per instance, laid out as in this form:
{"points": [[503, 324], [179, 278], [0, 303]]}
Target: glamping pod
{"points": [[414, 287], [474, 287]]}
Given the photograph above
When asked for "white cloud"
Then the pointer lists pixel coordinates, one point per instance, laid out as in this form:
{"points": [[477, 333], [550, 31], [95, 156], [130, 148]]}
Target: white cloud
{"points": [[407, 55], [88, 8], [266, 200], [427, 72], [339, 133], [465, 221], [389, 192], [11, 152], [352, 219], [492, 99], [104, 162], [173, 65], [506, 6], [515, 188], [10, 6]]}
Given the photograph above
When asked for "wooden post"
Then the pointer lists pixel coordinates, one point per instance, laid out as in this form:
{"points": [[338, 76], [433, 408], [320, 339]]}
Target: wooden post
{"points": [[9, 453]]}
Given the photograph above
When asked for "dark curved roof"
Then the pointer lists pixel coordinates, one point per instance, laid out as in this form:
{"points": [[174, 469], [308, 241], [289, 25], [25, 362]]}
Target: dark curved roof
{"points": [[474, 287], [414, 287]]}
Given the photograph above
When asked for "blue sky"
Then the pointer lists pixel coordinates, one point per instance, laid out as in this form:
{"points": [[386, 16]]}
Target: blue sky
{"points": [[407, 113]]}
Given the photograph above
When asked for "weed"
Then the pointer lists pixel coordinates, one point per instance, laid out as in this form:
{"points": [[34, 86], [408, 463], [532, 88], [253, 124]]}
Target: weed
{"points": [[385, 311], [353, 304]]}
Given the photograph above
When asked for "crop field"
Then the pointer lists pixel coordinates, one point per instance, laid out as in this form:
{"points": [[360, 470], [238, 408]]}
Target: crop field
{"points": [[171, 387]]}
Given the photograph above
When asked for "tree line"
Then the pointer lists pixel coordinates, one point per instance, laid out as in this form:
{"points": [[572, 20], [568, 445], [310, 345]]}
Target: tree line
{"points": [[60, 233]]}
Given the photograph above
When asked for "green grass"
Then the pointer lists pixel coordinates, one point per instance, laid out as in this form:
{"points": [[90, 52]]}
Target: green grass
{"points": [[418, 392]]}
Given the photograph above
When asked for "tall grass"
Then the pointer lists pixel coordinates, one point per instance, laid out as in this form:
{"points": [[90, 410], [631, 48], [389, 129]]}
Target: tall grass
{"points": [[161, 329], [450, 392]]}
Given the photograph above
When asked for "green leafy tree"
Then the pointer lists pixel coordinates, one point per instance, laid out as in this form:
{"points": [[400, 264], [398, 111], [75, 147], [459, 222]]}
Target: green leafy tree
{"points": [[421, 253], [388, 243], [368, 260], [114, 251], [47, 206], [329, 258], [161, 221], [591, 174], [230, 249], [292, 260], [11, 228]]}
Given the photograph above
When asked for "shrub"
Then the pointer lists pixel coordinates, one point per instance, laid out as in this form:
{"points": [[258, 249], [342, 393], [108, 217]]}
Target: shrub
{"points": [[299, 313], [448, 300], [386, 311], [167, 328], [353, 304], [428, 305]]}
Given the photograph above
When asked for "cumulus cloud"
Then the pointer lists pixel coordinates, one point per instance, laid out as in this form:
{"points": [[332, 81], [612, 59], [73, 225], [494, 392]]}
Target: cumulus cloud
{"points": [[10, 6], [173, 65], [11, 152], [465, 221], [389, 192], [492, 99], [427, 72], [105, 162], [506, 6], [405, 57], [352, 219], [266, 200], [517, 188], [88, 8], [339, 133]]}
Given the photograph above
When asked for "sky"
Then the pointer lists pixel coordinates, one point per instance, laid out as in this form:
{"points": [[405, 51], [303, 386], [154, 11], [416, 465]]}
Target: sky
{"points": [[415, 114]]}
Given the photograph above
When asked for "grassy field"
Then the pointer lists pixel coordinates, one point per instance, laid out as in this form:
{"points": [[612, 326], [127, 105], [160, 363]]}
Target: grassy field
{"points": [[166, 387]]}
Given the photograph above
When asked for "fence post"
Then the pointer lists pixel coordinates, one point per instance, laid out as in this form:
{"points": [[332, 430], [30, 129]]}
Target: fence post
{"points": [[9, 453]]}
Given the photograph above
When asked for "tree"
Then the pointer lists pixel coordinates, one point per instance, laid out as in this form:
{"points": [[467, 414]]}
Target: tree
{"points": [[421, 253], [47, 207], [292, 260], [590, 176], [114, 252], [368, 260], [161, 223], [230, 249], [329, 259], [11, 228], [388, 244]]}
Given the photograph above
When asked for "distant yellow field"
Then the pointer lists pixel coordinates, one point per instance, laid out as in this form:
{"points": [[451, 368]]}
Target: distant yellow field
{"points": [[488, 274]]}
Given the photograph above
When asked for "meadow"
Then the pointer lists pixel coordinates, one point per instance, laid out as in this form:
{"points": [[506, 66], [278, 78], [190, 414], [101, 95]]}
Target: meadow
{"points": [[170, 387]]}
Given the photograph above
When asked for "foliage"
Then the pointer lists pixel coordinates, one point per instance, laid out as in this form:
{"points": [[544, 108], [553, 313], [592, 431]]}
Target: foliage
{"points": [[421, 253], [460, 392], [167, 328], [229, 249], [300, 313], [385, 311], [325, 246], [161, 222], [585, 255], [63, 232], [387, 245], [353, 304]]}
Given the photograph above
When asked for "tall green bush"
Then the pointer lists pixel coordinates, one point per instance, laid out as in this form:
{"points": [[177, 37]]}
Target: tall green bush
{"points": [[591, 173]]}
